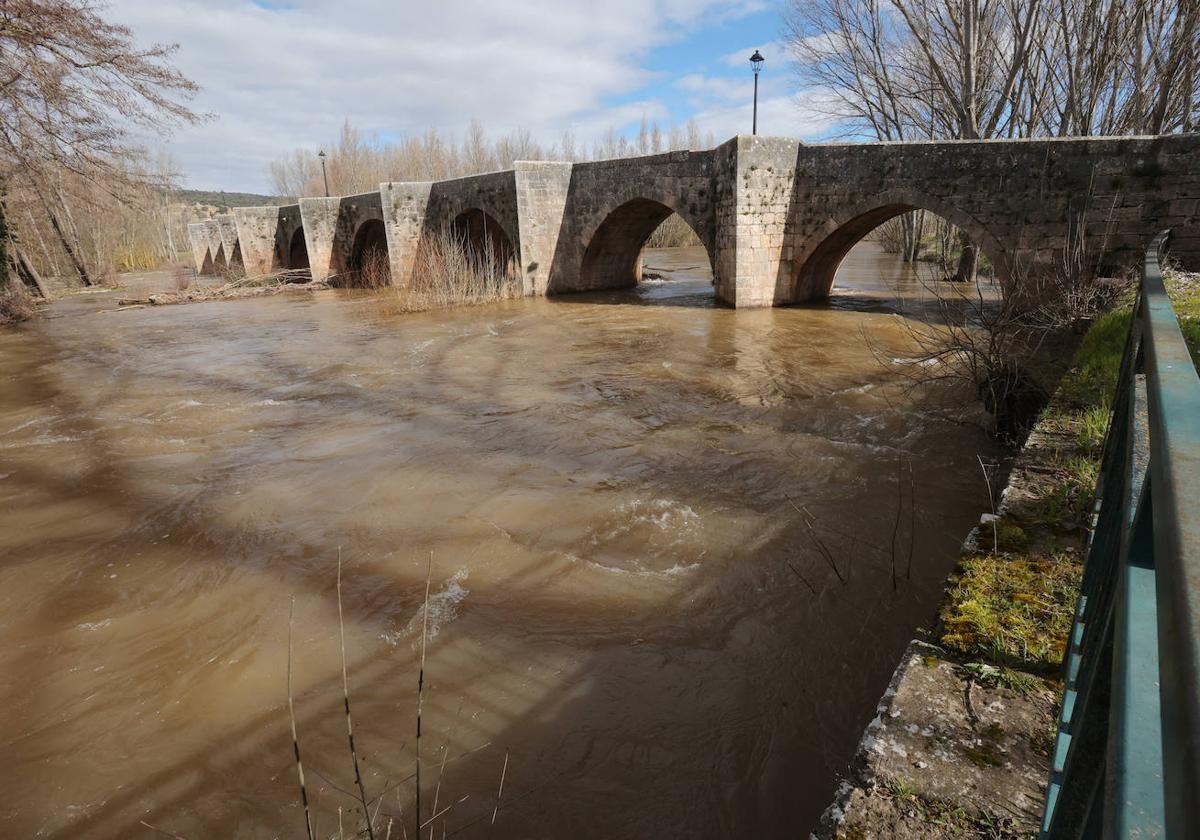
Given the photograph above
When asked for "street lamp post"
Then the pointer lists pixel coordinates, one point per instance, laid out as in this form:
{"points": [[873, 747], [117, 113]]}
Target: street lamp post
{"points": [[325, 175], [756, 61]]}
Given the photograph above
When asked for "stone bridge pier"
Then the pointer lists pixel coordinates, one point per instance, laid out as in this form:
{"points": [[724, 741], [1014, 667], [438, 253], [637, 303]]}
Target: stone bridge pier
{"points": [[216, 244], [272, 239], [340, 232], [776, 216]]}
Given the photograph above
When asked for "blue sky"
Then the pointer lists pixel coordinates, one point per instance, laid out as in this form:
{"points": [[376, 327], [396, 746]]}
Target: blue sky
{"points": [[284, 74]]}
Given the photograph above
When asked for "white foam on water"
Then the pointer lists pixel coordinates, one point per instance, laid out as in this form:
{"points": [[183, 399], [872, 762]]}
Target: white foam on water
{"points": [[443, 608], [94, 625], [41, 440], [24, 425], [664, 528], [673, 571], [897, 360]]}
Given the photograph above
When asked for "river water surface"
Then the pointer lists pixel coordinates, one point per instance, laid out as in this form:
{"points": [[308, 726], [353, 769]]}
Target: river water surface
{"points": [[625, 598]]}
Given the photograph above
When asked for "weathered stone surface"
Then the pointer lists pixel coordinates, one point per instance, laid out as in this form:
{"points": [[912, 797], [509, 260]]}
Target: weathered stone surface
{"points": [[947, 742], [202, 260], [776, 215], [227, 231], [320, 219], [216, 248], [267, 236]]}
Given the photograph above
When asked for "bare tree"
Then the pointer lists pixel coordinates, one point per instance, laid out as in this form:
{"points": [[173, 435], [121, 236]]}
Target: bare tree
{"points": [[74, 88]]}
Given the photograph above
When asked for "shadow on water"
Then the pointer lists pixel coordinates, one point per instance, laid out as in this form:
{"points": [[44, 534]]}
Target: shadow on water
{"points": [[607, 495]]}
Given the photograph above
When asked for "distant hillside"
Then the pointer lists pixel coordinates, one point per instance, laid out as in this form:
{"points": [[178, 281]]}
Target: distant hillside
{"points": [[216, 198]]}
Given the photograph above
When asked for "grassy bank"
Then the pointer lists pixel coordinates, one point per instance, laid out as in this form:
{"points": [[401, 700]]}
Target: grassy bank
{"points": [[1012, 597]]}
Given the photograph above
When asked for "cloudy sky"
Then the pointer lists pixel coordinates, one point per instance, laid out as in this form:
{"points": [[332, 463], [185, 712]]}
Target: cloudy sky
{"points": [[285, 74]]}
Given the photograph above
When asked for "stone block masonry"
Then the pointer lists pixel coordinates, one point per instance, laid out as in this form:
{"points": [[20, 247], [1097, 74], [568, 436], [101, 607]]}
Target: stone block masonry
{"points": [[775, 215]]}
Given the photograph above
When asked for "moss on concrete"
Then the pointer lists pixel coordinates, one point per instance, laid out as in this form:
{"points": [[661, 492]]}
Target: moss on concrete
{"points": [[1012, 609]]}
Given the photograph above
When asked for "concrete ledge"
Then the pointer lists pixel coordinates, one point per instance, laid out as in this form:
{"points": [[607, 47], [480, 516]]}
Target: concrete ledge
{"points": [[947, 755]]}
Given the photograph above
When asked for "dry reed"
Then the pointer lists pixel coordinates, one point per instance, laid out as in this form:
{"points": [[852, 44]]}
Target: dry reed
{"points": [[449, 273], [362, 793], [292, 715], [421, 689], [500, 792]]}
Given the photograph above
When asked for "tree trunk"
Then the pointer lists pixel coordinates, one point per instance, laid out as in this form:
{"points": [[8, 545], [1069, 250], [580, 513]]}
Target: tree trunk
{"points": [[72, 254], [968, 260], [51, 263], [3, 236], [26, 267], [918, 235]]}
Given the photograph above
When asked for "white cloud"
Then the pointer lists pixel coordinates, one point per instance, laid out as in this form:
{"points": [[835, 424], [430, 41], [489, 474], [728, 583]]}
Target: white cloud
{"points": [[800, 115], [280, 76], [774, 53]]}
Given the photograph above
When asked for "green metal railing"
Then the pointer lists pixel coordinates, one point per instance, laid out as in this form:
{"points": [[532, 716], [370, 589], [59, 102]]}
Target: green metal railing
{"points": [[1126, 760]]}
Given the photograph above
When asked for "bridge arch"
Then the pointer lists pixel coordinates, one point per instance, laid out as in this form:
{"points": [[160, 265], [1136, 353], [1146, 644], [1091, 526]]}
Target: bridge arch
{"points": [[612, 255], [296, 256], [485, 240], [368, 258], [817, 264]]}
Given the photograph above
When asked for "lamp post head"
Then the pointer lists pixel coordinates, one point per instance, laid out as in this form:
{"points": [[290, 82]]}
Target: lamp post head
{"points": [[321, 155], [756, 61]]}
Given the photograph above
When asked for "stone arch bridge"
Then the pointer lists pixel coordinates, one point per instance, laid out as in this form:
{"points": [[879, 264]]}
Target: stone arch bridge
{"points": [[776, 216]]}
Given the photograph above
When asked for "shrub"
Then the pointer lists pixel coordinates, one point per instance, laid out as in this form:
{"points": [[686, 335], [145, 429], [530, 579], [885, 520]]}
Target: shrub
{"points": [[15, 304]]}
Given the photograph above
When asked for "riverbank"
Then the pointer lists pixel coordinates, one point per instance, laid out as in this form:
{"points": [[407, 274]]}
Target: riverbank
{"points": [[961, 740]]}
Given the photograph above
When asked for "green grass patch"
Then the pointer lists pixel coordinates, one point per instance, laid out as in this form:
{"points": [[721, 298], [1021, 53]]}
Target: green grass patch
{"points": [[1185, 296], [1015, 610], [993, 676], [1066, 503], [1092, 380]]}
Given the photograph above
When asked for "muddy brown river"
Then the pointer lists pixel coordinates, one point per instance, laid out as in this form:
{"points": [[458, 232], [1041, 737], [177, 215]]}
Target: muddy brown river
{"points": [[627, 603]]}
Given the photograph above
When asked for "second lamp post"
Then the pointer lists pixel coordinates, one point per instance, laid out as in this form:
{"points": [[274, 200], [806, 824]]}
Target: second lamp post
{"points": [[756, 61]]}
